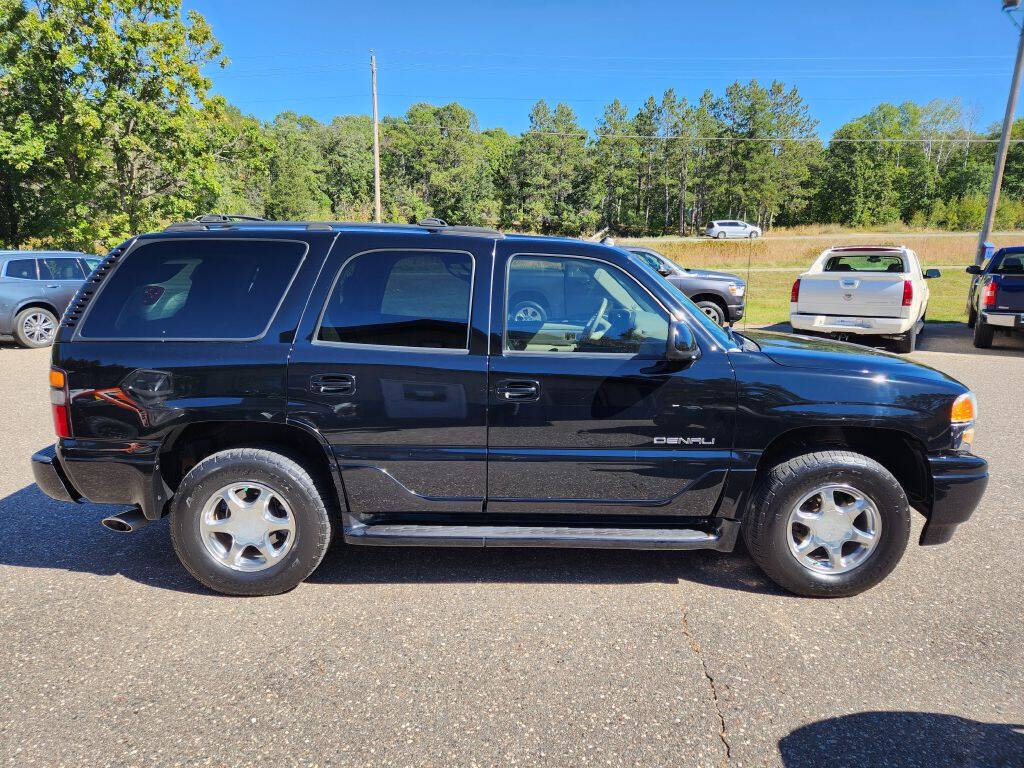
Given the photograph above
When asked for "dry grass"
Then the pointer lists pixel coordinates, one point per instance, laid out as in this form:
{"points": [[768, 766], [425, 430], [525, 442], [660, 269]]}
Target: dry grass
{"points": [[798, 248]]}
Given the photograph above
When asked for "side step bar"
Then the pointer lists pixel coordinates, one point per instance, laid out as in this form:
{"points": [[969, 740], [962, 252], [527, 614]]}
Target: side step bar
{"points": [[539, 536]]}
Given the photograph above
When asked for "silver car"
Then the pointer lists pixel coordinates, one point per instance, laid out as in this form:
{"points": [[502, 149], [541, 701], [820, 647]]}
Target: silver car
{"points": [[35, 289], [732, 228]]}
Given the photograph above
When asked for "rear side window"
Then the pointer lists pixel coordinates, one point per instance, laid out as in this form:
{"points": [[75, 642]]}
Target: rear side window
{"points": [[61, 268], [1010, 265], [195, 289], [23, 269], [401, 299]]}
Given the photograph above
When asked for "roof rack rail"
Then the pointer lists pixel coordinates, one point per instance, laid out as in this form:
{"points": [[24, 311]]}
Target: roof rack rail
{"points": [[437, 225], [207, 219]]}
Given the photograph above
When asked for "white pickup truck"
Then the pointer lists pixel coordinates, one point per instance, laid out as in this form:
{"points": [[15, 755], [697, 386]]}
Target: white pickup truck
{"points": [[863, 291]]}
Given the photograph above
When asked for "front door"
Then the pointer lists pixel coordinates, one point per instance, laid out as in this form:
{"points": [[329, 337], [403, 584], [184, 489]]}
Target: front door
{"points": [[390, 366], [587, 417]]}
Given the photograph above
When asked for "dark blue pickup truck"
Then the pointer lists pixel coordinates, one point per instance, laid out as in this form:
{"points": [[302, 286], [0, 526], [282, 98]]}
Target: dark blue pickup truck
{"points": [[996, 298], [271, 386]]}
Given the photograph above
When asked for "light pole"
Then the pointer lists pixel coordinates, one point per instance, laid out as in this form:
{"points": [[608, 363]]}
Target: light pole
{"points": [[1004, 142]]}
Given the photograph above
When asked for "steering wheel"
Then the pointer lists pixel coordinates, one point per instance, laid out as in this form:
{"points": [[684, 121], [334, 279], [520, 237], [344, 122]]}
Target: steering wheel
{"points": [[598, 325]]}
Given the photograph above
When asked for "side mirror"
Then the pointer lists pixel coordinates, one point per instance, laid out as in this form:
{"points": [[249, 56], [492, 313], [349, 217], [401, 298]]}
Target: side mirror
{"points": [[929, 274], [682, 345], [974, 269], [664, 271]]}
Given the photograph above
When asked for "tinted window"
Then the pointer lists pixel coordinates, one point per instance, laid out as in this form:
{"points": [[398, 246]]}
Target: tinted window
{"points": [[60, 269], [1012, 264], [89, 264], [401, 299], [22, 268], [193, 289], [558, 304]]}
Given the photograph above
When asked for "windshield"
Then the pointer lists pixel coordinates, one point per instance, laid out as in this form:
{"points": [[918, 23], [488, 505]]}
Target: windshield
{"points": [[720, 334]]}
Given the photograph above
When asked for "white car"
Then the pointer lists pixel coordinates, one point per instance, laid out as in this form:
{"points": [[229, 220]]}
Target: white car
{"points": [[731, 228], [863, 291]]}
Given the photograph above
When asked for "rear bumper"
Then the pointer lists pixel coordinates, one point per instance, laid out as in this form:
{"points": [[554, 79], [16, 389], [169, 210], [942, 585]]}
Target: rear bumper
{"points": [[103, 472], [1004, 319], [958, 483], [864, 326], [50, 476]]}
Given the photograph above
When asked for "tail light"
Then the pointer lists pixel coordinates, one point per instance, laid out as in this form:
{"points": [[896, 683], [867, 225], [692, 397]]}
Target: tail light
{"points": [[908, 293], [988, 295], [794, 295], [59, 402], [151, 294]]}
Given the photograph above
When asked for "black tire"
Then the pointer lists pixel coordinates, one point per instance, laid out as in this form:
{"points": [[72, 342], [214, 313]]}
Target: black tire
{"points": [[778, 491], [288, 480], [907, 342], [752, 235], [713, 310], [24, 334], [972, 317], [983, 333], [720, 236]]}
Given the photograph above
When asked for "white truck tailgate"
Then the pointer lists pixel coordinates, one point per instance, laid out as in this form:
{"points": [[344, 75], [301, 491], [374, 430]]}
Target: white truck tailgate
{"points": [[852, 293]]}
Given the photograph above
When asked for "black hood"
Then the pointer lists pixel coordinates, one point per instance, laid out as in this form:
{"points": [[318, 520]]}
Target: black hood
{"points": [[825, 354]]}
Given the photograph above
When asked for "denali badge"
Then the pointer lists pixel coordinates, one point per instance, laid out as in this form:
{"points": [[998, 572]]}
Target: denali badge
{"points": [[683, 441]]}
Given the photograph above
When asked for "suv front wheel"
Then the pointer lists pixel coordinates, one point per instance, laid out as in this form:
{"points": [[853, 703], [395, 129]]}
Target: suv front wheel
{"points": [[249, 521], [827, 524]]}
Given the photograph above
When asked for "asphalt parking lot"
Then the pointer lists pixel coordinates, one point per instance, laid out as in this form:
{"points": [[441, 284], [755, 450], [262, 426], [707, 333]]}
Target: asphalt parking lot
{"points": [[112, 655]]}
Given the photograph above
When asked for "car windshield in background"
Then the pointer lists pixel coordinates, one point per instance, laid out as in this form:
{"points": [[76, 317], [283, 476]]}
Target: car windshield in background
{"points": [[865, 262]]}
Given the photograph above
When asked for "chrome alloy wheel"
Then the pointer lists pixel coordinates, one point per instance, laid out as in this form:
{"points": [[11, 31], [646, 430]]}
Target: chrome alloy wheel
{"points": [[833, 529], [247, 526], [38, 328], [528, 313]]}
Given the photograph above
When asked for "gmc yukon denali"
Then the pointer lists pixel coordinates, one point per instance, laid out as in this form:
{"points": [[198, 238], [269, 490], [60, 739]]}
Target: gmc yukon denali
{"points": [[272, 386]]}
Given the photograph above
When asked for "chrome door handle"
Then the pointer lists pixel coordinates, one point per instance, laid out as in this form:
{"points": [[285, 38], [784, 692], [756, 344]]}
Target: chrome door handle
{"points": [[518, 389], [333, 384]]}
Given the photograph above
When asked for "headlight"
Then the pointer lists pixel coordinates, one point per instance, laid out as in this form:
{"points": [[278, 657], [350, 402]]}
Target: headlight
{"points": [[962, 417], [737, 290]]}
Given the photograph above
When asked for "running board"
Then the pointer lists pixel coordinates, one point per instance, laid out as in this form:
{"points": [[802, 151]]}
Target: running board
{"points": [[536, 536]]}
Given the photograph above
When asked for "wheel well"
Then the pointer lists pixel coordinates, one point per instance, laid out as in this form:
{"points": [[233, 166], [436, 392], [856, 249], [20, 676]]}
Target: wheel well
{"points": [[903, 455], [39, 304], [197, 441], [713, 298], [537, 296]]}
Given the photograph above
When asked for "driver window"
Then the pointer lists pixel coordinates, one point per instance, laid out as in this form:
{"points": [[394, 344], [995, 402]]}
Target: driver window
{"points": [[565, 304]]}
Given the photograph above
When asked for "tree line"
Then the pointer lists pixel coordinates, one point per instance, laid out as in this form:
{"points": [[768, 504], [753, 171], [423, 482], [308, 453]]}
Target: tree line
{"points": [[108, 127]]}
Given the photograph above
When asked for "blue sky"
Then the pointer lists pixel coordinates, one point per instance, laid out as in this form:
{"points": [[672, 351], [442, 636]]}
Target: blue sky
{"points": [[498, 58]]}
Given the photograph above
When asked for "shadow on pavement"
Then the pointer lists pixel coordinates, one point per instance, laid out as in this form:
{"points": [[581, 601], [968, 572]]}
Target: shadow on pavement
{"points": [[905, 739], [939, 337], [38, 532]]}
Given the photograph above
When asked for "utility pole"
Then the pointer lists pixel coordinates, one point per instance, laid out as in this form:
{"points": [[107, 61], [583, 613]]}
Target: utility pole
{"points": [[1004, 143], [376, 140]]}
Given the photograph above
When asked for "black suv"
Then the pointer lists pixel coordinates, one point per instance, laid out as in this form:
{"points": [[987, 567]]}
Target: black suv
{"points": [[273, 385]]}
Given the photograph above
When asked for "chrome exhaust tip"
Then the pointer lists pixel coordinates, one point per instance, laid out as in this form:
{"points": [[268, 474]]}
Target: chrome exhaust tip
{"points": [[126, 522]]}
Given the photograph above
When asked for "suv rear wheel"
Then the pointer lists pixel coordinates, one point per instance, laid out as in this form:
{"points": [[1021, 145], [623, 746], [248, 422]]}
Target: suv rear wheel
{"points": [[827, 524], [249, 521]]}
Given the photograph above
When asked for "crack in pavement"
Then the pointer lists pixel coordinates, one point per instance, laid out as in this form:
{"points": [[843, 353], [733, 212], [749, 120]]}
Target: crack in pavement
{"points": [[695, 647]]}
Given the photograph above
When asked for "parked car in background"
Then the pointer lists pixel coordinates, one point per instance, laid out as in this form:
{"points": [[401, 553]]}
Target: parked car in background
{"points": [[35, 288], [732, 228], [719, 295], [996, 298], [863, 291], [374, 383]]}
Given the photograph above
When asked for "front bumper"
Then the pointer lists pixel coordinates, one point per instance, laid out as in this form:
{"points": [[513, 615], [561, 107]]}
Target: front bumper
{"points": [[1013, 320], [735, 312], [958, 483], [864, 326]]}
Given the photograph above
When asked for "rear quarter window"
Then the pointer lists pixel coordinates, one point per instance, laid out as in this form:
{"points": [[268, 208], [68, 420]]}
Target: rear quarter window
{"points": [[23, 269], [194, 289]]}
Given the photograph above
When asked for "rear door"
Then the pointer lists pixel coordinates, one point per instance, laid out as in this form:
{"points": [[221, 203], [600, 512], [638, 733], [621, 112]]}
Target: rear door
{"points": [[61, 276], [586, 416], [390, 366]]}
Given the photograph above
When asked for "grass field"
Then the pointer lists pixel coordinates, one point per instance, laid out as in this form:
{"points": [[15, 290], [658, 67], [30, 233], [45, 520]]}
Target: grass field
{"points": [[789, 252]]}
